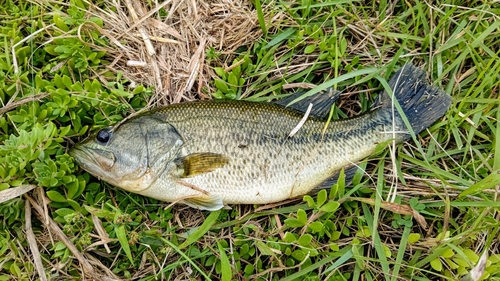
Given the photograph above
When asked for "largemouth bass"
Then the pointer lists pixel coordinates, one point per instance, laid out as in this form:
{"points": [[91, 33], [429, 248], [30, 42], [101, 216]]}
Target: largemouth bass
{"points": [[211, 153]]}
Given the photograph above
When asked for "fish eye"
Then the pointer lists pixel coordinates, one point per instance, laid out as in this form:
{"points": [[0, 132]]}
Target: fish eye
{"points": [[104, 135]]}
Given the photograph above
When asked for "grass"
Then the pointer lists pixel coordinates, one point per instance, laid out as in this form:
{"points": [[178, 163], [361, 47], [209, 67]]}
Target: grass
{"points": [[64, 73]]}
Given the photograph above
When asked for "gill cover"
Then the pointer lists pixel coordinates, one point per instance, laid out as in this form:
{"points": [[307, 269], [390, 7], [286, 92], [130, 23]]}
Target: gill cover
{"points": [[160, 145]]}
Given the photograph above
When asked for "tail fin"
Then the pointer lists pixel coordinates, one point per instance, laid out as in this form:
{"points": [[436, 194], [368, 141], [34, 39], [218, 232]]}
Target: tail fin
{"points": [[422, 103]]}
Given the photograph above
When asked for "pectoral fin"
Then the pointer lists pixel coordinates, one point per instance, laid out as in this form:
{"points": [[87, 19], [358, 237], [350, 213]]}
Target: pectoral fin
{"points": [[205, 202], [199, 163]]}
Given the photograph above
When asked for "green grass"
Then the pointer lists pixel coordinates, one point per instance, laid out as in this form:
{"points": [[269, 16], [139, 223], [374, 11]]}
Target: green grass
{"points": [[449, 175]]}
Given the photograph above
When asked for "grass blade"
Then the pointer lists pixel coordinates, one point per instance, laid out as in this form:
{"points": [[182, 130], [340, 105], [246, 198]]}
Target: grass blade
{"points": [[344, 258], [204, 228], [260, 16], [490, 181], [401, 252], [122, 238], [178, 250], [282, 36], [225, 265]]}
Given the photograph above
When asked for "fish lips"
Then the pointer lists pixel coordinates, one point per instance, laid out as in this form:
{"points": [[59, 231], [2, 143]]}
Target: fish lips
{"points": [[96, 161]]}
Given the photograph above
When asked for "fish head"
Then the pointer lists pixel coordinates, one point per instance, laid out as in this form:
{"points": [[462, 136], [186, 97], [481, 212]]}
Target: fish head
{"points": [[131, 155]]}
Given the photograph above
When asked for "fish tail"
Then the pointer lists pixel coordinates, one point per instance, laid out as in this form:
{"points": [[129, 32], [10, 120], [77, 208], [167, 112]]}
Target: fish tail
{"points": [[421, 102]]}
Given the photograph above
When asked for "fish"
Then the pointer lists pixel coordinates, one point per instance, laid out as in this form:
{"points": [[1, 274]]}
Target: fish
{"points": [[211, 154]]}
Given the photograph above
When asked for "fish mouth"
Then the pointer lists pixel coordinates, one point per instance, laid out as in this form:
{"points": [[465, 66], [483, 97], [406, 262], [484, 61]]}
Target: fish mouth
{"points": [[99, 163], [96, 161], [81, 155]]}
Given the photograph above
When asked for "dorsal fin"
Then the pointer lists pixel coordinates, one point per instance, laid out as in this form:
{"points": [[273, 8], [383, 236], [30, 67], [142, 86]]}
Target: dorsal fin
{"points": [[322, 102]]}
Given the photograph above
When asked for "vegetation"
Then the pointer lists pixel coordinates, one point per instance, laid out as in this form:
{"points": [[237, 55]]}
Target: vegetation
{"points": [[427, 209]]}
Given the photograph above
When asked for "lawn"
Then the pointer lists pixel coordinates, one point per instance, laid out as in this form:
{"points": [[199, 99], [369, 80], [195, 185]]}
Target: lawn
{"points": [[425, 209]]}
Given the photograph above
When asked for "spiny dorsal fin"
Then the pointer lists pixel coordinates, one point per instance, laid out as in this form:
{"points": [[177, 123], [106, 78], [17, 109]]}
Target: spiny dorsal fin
{"points": [[199, 163], [322, 102]]}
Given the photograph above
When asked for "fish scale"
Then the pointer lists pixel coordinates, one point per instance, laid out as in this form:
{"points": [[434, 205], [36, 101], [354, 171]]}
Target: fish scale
{"points": [[212, 153], [281, 166]]}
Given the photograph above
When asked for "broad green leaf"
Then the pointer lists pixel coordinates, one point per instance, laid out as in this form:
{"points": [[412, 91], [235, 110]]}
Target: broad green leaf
{"points": [[293, 223], [64, 212], [478, 272], [56, 196], [305, 240], [72, 189], [236, 70], [74, 205], [334, 191], [309, 49], [413, 237], [96, 86], [100, 213], [289, 237], [343, 45], [58, 81], [387, 251], [249, 269], [60, 23], [299, 254], [321, 198], [448, 253], [220, 72], [341, 182], [67, 82], [330, 207], [15, 270], [241, 82], [309, 200], [436, 264], [233, 80], [302, 216], [4, 185], [221, 85], [471, 255], [316, 226]]}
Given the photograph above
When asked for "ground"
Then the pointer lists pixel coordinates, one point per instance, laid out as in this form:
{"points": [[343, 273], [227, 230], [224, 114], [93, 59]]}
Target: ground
{"points": [[426, 209]]}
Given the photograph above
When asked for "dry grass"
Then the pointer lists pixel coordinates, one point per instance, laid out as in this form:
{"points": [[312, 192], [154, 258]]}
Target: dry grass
{"points": [[167, 51], [164, 45]]}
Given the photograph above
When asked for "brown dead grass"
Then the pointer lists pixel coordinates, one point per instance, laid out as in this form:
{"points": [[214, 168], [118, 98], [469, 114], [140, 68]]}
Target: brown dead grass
{"points": [[164, 45]]}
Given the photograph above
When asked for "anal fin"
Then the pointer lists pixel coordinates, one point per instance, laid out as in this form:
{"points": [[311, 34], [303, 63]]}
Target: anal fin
{"points": [[327, 184]]}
